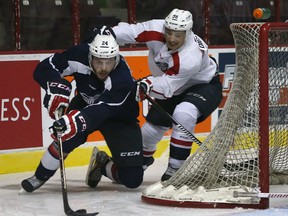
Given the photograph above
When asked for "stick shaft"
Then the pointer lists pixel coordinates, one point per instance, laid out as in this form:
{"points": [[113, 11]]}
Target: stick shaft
{"points": [[67, 209], [172, 120]]}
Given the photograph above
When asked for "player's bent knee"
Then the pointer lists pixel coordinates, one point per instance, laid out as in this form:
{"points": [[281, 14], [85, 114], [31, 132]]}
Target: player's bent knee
{"points": [[131, 177]]}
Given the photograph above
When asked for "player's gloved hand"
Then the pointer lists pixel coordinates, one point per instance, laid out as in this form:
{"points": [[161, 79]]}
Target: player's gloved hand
{"points": [[144, 87], [57, 95], [68, 125]]}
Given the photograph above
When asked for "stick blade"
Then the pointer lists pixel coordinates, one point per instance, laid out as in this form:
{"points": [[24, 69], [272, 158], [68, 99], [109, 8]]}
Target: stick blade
{"points": [[80, 212]]}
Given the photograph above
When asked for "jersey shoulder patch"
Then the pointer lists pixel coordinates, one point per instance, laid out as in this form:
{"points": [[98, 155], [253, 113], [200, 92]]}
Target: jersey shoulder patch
{"points": [[201, 44]]}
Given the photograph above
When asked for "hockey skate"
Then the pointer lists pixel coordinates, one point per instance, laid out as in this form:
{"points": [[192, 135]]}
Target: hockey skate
{"points": [[168, 173], [97, 161], [31, 184]]}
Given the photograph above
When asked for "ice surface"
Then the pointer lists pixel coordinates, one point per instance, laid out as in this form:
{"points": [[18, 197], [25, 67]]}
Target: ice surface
{"points": [[107, 198]]}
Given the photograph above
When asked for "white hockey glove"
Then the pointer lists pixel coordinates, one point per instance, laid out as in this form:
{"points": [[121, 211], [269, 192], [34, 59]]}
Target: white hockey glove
{"points": [[69, 125], [144, 87], [57, 95]]}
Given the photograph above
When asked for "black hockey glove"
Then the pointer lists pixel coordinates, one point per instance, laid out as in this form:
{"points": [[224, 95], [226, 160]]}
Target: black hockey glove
{"points": [[144, 86], [57, 95], [68, 125]]}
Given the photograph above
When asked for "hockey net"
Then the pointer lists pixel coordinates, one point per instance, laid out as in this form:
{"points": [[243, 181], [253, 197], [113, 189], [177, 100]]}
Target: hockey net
{"points": [[248, 147]]}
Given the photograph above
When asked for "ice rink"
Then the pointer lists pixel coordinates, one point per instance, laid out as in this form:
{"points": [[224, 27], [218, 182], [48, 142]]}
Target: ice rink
{"points": [[108, 199]]}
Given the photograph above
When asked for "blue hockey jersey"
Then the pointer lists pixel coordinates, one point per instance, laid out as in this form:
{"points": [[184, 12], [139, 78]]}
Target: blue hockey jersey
{"points": [[113, 98]]}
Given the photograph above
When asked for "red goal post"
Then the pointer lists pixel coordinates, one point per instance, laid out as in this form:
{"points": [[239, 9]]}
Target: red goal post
{"points": [[248, 148], [265, 45]]}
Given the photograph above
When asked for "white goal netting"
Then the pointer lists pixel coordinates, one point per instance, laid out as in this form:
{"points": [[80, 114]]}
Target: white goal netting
{"points": [[228, 160]]}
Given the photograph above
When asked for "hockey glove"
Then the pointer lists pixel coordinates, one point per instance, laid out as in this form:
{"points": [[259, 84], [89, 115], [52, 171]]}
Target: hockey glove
{"points": [[57, 95], [68, 125], [144, 87]]}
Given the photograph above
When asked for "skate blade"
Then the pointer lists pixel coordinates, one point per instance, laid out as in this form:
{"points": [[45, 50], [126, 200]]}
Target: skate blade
{"points": [[92, 159]]}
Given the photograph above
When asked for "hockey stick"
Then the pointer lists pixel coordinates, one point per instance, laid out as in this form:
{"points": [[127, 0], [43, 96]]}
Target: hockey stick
{"points": [[260, 195], [68, 211], [230, 167], [174, 121]]}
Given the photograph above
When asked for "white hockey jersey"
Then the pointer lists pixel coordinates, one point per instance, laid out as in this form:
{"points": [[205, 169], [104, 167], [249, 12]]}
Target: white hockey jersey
{"points": [[173, 71]]}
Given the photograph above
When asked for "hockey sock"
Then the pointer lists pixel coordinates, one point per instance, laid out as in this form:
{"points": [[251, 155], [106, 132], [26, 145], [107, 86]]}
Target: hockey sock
{"points": [[180, 143], [49, 163], [111, 171], [151, 135]]}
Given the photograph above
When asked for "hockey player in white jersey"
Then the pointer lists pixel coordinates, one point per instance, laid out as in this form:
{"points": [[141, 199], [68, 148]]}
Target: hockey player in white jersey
{"points": [[184, 81]]}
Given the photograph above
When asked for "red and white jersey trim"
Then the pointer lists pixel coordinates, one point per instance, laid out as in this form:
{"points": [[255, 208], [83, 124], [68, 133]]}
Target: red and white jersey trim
{"points": [[173, 71]]}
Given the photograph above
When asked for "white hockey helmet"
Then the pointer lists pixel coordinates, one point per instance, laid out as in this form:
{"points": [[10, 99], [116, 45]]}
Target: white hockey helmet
{"points": [[179, 20], [104, 46]]}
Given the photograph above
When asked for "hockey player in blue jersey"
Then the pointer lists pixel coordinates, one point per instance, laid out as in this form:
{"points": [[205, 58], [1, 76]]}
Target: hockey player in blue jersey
{"points": [[105, 101]]}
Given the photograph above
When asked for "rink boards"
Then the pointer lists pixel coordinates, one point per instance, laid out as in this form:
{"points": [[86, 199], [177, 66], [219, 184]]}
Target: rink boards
{"points": [[24, 122]]}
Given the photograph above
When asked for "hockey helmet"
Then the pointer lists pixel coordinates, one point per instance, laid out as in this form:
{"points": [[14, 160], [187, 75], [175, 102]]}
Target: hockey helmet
{"points": [[179, 20], [104, 46]]}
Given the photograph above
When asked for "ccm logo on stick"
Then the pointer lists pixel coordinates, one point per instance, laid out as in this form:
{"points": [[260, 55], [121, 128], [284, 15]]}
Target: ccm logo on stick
{"points": [[129, 154]]}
